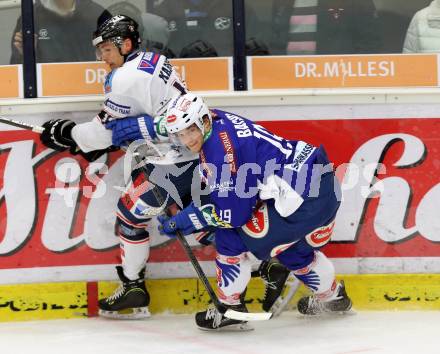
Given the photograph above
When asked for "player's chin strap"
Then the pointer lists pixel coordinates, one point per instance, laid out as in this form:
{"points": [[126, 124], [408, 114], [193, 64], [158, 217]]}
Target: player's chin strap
{"points": [[229, 313], [207, 135]]}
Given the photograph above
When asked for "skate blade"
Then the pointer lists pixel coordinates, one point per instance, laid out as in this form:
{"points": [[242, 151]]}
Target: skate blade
{"points": [[136, 313], [350, 312], [324, 314], [239, 327], [292, 284]]}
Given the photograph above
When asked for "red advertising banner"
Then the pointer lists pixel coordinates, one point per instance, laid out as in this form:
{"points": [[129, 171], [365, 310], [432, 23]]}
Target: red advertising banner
{"points": [[58, 210], [400, 219], [52, 217]]}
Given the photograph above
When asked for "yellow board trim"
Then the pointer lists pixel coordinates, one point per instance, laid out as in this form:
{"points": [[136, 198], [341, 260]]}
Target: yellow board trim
{"points": [[383, 292], [26, 302]]}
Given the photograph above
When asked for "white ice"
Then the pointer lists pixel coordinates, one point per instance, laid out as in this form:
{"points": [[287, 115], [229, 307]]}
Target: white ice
{"points": [[363, 332]]}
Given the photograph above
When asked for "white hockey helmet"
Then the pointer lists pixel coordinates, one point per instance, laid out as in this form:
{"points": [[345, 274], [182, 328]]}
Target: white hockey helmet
{"points": [[184, 111]]}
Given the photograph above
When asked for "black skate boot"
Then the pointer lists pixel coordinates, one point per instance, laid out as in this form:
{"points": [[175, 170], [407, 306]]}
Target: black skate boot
{"points": [[310, 305], [129, 301], [274, 275], [213, 320]]}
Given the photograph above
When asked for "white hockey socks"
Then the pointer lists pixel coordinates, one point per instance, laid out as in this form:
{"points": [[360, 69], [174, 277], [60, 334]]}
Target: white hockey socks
{"points": [[134, 255], [233, 275], [319, 277]]}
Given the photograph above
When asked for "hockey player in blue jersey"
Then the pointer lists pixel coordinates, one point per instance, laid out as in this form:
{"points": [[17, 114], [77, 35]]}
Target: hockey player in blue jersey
{"points": [[264, 194]]}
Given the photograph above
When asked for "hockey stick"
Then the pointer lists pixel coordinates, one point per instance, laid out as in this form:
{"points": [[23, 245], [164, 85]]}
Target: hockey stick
{"points": [[281, 303], [16, 123], [288, 291], [236, 315]]}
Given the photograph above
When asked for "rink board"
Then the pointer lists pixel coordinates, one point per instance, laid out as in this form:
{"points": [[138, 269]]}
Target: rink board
{"points": [[58, 217], [58, 222], [185, 296]]}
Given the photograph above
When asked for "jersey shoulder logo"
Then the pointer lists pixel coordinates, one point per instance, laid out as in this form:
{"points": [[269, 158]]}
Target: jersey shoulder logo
{"points": [[108, 82], [148, 62]]}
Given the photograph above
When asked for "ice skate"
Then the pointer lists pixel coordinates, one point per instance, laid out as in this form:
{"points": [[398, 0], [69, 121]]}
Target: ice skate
{"points": [[311, 305], [129, 301], [277, 280], [213, 320]]}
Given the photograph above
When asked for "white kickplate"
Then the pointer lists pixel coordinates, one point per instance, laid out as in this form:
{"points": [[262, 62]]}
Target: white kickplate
{"points": [[248, 316]]}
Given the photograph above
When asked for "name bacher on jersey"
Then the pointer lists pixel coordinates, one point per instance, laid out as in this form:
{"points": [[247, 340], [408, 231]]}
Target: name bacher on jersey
{"points": [[256, 164]]}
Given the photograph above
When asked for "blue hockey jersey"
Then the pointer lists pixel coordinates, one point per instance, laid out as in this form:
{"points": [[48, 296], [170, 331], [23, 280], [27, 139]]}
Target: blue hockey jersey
{"points": [[243, 163]]}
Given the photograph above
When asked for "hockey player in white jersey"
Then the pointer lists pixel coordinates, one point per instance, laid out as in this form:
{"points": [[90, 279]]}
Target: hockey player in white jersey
{"points": [[137, 91]]}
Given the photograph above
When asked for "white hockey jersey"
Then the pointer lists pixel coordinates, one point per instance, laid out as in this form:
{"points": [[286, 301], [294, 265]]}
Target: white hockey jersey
{"points": [[143, 85]]}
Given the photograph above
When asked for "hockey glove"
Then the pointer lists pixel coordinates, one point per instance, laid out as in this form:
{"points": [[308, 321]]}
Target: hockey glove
{"points": [[187, 222], [135, 128], [57, 135], [206, 237]]}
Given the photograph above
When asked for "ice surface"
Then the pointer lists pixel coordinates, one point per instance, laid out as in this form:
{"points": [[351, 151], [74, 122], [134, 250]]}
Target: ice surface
{"points": [[363, 332]]}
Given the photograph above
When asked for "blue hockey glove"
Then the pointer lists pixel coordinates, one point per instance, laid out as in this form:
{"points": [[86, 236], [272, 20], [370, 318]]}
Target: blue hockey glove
{"points": [[131, 129], [187, 221]]}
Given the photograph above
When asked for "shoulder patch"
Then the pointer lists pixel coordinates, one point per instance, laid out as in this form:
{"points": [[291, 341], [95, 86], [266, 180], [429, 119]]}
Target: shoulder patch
{"points": [[149, 62], [108, 82]]}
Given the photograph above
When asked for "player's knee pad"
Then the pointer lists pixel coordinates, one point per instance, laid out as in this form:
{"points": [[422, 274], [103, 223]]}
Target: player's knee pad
{"points": [[318, 276], [233, 275]]}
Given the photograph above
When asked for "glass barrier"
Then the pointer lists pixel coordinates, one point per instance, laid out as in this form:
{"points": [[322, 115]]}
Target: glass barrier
{"points": [[197, 28], [323, 27], [9, 13], [63, 31], [10, 75], [297, 30], [87, 78]]}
